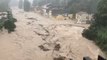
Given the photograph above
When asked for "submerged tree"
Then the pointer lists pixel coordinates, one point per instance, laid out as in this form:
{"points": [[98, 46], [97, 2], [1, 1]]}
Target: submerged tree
{"points": [[27, 5], [20, 4]]}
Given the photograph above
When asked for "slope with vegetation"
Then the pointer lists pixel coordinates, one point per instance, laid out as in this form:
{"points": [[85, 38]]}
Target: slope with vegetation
{"points": [[98, 29]]}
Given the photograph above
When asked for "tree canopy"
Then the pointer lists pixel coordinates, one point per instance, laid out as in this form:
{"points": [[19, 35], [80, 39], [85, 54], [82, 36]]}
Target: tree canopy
{"points": [[20, 4], [27, 5], [4, 5], [88, 6]]}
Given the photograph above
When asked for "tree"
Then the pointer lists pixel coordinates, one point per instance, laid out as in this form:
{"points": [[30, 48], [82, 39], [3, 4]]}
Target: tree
{"points": [[9, 24], [76, 6], [98, 29], [14, 3], [4, 5], [3, 8], [27, 5], [20, 4], [41, 2], [38, 2], [35, 3]]}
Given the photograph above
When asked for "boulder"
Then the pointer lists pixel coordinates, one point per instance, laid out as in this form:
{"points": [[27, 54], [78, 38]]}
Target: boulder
{"points": [[87, 58]]}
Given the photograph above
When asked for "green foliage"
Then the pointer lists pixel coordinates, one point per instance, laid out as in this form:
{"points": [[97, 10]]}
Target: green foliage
{"points": [[102, 7], [39, 2], [8, 23], [27, 5], [35, 3], [20, 4], [82, 5], [10, 16], [73, 5], [98, 35], [98, 30], [1, 23], [90, 34]]}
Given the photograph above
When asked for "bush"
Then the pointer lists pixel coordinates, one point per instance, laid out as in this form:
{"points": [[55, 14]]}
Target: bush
{"points": [[98, 35], [10, 26], [90, 33], [102, 38], [8, 22], [1, 24]]}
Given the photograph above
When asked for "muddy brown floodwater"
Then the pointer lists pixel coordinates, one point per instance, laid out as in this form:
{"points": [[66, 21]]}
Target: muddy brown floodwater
{"points": [[40, 38]]}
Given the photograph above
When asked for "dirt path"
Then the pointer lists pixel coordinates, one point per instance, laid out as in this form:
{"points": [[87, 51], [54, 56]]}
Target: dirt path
{"points": [[35, 38]]}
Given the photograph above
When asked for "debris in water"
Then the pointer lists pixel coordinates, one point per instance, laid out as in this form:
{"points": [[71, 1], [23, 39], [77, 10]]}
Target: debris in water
{"points": [[43, 48]]}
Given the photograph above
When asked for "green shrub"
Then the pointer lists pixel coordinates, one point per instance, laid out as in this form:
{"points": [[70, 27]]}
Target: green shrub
{"points": [[8, 22], [99, 36], [1, 24], [102, 38], [90, 33], [9, 25]]}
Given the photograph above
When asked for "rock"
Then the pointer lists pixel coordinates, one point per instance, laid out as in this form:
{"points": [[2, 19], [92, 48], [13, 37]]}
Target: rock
{"points": [[59, 58], [57, 47], [101, 58], [86, 58]]}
